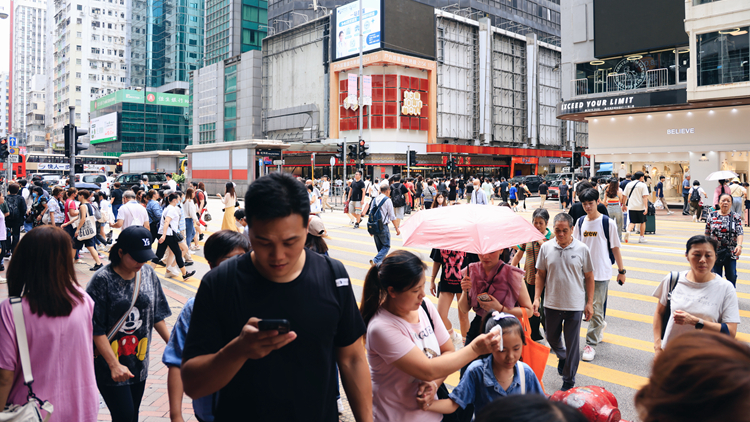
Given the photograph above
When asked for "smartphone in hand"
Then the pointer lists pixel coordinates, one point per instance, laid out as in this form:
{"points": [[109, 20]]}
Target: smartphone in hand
{"points": [[484, 297], [281, 325]]}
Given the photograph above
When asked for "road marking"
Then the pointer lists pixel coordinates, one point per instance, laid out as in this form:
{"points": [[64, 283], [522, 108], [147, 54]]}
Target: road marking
{"points": [[601, 373]]}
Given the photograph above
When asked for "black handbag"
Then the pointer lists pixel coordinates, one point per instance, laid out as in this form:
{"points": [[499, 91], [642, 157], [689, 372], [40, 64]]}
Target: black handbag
{"points": [[674, 276]]}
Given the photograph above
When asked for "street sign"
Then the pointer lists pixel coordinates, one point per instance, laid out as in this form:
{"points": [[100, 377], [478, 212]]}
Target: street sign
{"points": [[12, 141], [14, 158], [13, 150], [333, 161], [22, 150]]}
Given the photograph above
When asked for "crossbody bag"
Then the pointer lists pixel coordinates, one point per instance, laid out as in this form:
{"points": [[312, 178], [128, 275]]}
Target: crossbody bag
{"points": [[111, 333], [29, 412]]}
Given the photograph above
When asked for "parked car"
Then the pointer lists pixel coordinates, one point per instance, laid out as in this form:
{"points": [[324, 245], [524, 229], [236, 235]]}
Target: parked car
{"points": [[155, 180], [532, 182]]}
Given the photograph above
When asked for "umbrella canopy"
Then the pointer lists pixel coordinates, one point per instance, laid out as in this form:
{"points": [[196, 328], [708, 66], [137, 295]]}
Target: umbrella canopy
{"points": [[88, 186], [722, 175], [471, 228]]}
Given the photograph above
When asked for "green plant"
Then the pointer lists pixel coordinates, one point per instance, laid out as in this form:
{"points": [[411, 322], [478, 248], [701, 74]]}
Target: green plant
{"points": [[179, 178]]}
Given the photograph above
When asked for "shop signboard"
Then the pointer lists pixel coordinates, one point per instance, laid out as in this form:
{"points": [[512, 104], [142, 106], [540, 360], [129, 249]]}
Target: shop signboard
{"points": [[622, 102], [54, 166], [103, 129], [525, 160], [276, 153]]}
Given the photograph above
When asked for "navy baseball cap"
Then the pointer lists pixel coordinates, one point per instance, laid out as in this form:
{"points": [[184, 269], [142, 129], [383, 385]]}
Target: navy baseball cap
{"points": [[136, 242]]}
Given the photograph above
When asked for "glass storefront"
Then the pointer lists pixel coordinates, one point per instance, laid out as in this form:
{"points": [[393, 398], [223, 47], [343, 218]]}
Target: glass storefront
{"points": [[724, 56], [646, 70]]}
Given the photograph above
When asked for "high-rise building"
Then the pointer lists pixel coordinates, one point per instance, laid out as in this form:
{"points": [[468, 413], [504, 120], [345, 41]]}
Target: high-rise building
{"points": [[234, 27], [167, 42], [28, 38], [35, 130], [4, 104], [88, 55]]}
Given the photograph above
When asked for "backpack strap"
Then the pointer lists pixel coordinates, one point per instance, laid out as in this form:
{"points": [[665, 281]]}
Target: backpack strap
{"points": [[521, 376], [339, 271], [427, 311], [580, 226], [605, 227], [674, 277]]}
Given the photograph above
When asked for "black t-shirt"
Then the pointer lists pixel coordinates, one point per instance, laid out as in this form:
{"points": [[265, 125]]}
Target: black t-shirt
{"points": [[323, 316], [543, 188], [116, 196], [469, 188], [564, 190], [576, 211], [503, 188], [357, 193]]}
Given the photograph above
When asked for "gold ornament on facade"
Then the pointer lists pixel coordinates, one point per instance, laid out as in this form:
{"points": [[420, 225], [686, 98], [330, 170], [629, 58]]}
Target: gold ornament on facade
{"points": [[412, 104]]}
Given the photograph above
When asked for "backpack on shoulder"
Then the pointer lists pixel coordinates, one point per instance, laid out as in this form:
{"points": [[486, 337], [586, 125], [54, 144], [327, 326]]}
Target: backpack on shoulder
{"points": [[397, 197], [375, 222], [695, 196]]}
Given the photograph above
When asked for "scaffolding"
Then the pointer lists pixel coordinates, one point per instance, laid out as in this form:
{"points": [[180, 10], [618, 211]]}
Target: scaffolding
{"points": [[509, 90], [277, 50], [550, 84], [457, 80]]}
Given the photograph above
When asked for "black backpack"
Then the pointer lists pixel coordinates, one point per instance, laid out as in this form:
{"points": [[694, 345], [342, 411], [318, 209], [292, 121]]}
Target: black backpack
{"points": [[695, 196], [375, 222], [397, 197], [14, 211]]}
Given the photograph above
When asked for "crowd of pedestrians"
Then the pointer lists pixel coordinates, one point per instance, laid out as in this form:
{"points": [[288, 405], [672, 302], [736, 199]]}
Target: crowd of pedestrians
{"points": [[277, 311]]}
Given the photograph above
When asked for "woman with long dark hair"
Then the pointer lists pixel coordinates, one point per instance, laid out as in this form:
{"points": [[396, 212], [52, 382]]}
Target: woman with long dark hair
{"points": [[57, 314], [406, 340], [169, 228], [122, 326], [439, 201], [229, 200], [614, 199], [452, 191]]}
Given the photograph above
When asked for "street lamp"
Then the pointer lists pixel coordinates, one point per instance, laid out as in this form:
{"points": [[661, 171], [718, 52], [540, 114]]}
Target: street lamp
{"points": [[3, 13]]}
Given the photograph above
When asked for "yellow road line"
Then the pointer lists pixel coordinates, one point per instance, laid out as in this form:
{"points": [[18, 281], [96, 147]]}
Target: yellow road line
{"points": [[601, 373]]}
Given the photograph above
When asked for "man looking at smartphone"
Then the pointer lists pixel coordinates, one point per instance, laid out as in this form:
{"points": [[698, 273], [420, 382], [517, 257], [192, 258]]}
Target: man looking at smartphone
{"points": [[564, 267], [600, 234], [265, 375]]}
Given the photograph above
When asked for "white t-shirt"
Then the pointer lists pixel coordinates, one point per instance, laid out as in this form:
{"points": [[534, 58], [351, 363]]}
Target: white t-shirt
{"points": [[172, 185], [368, 185], [593, 237], [389, 338], [700, 191], [132, 214], [325, 188], [315, 205], [712, 301], [636, 199], [174, 224]]}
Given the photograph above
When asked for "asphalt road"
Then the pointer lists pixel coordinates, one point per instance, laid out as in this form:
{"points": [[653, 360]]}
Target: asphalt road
{"points": [[623, 360]]}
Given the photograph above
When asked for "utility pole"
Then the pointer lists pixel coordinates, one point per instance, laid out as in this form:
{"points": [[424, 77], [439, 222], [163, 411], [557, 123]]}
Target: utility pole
{"points": [[72, 139], [345, 157], [361, 82], [408, 162]]}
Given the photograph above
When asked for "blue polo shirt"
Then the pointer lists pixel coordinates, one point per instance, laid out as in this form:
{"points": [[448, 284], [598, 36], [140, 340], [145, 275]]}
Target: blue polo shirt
{"points": [[480, 387]]}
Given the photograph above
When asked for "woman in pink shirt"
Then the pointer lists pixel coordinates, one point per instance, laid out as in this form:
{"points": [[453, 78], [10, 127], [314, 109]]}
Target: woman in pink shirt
{"points": [[409, 350], [58, 316], [722, 188]]}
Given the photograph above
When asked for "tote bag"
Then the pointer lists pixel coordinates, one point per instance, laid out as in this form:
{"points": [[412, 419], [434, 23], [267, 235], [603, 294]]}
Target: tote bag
{"points": [[88, 230], [534, 354]]}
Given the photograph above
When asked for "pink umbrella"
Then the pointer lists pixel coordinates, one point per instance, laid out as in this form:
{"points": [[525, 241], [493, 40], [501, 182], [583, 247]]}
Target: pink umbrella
{"points": [[469, 228]]}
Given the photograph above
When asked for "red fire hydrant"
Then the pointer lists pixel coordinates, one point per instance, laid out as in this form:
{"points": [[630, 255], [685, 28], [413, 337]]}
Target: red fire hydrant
{"points": [[596, 403]]}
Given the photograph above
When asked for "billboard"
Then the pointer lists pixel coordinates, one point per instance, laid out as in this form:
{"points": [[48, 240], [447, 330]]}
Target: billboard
{"points": [[409, 28], [103, 129], [140, 97], [637, 26], [346, 33]]}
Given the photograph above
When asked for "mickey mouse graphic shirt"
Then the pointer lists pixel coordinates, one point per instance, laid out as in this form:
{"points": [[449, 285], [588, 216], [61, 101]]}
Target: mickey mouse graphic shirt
{"points": [[112, 296]]}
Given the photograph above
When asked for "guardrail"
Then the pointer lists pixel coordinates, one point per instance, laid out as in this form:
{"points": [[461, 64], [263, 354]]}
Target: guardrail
{"points": [[657, 77], [616, 82], [580, 86]]}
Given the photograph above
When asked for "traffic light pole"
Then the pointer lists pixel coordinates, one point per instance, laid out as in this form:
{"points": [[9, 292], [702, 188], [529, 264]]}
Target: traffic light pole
{"points": [[72, 140], [8, 175], [408, 162], [361, 84], [345, 157]]}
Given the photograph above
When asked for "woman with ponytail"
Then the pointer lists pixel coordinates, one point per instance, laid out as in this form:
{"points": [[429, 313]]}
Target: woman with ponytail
{"points": [[408, 347]]}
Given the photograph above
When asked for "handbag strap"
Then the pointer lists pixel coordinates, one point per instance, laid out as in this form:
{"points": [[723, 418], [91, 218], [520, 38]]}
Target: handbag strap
{"points": [[23, 342], [522, 376], [136, 291]]}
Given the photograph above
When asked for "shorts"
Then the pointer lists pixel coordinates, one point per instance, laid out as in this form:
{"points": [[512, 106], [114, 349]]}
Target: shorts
{"points": [[564, 198], [399, 212], [449, 286], [88, 243], [355, 207], [636, 217]]}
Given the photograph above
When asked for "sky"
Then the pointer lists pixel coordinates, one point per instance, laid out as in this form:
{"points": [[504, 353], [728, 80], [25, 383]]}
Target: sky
{"points": [[5, 39]]}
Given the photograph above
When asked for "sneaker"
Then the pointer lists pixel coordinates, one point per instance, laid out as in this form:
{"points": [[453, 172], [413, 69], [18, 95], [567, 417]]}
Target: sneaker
{"points": [[627, 236], [189, 263], [188, 275], [174, 274], [2, 267], [560, 366], [96, 267], [642, 239], [670, 212], [588, 354], [340, 405], [567, 386], [200, 237], [80, 261], [356, 225]]}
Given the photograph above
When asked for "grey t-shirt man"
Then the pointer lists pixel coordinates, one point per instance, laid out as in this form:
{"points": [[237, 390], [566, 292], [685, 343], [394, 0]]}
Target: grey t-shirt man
{"points": [[565, 267]]}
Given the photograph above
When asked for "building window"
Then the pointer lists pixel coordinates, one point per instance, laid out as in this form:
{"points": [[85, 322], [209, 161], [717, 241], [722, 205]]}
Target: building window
{"points": [[79, 7], [724, 56], [78, 89]]}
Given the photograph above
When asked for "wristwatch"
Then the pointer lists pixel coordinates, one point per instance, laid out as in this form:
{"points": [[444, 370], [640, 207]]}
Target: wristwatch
{"points": [[622, 271], [699, 325]]}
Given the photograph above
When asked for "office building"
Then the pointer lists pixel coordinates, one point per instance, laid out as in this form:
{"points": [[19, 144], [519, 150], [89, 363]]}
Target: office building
{"points": [[28, 38], [88, 55], [667, 92], [35, 130], [234, 27]]}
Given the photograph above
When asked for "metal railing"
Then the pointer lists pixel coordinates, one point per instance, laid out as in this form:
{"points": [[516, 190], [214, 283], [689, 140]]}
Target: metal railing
{"points": [[616, 82], [580, 86], [657, 77]]}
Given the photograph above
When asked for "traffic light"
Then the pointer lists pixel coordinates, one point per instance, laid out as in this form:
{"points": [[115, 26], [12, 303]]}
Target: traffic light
{"points": [[363, 149], [118, 167], [449, 165], [352, 152], [412, 158], [79, 145], [576, 160], [3, 149], [454, 165], [340, 154]]}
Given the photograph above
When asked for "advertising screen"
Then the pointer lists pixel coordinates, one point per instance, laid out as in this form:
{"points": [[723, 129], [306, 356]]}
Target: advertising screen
{"points": [[346, 34], [409, 28], [103, 129], [637, 26]]}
